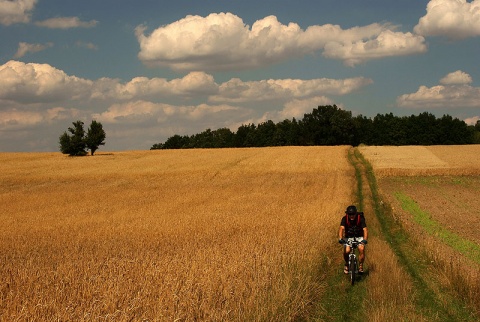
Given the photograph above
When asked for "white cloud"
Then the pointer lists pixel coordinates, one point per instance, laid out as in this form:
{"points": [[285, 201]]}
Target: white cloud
{"points": [[454, 19], [224, 42], [472, 120], [40, 101], [235, 90], [29, 83], [386, 44], [145, 123], [16, 11], [16, 118], [141, 111], [456, 78], [296, 108], [199, 84], [25, 48], [454, 93], [137, 112], [66, 23], [192, 85]]}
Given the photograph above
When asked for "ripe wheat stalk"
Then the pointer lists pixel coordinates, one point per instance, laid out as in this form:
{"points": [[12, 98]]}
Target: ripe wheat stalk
{"points": [[168, 235]]}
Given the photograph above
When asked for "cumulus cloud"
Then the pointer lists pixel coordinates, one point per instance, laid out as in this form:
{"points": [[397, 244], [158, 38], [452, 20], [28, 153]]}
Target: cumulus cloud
{"points": [[138, 112], [295, 108], [66, 23], [39, 99], [30, 82], [224, 42], [454, 19], [472, 120], [199, 84], [454, 93], [235, 90], [155, 122], [386, 44], [20, 118], [25, 48], [16, 11], [141, 111], [192, 85], [456, 78], [126, 122]]}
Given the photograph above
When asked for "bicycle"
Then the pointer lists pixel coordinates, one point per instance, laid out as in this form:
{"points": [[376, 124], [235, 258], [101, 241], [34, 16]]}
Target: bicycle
{"points": [[352, 258]]}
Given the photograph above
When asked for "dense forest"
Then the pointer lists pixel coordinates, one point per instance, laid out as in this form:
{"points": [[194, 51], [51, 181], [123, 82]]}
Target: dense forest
{"points": [[330, 125]]}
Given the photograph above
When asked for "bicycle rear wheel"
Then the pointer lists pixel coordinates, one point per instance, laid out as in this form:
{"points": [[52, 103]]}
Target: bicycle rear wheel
{"points": [[353, 270]]}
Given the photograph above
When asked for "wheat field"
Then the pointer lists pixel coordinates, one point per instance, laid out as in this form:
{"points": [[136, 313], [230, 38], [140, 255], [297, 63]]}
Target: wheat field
{"points": [[423, 160], [179, 235]]}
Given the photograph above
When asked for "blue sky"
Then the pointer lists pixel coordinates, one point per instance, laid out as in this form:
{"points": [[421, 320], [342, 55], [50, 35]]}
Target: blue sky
{"points": [[150, 69]]}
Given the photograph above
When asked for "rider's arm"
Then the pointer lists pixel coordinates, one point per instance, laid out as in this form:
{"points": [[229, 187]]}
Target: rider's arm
{"points": [[365, 233], [341, 232]]}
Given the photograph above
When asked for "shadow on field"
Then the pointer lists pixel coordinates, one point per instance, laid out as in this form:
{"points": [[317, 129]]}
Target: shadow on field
{"points": [[359, 277], [101, 154]]}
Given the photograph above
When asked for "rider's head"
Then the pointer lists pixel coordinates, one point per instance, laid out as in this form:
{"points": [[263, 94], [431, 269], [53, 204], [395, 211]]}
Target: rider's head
{"points": [[351, 211]]}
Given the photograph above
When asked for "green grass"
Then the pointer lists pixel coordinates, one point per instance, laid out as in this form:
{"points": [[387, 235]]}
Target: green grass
{"points": [[423, 218]]}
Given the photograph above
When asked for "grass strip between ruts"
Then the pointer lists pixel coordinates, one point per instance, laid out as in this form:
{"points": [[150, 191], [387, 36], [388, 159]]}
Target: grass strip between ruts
{"points": [[336, 305], [434, 228]]}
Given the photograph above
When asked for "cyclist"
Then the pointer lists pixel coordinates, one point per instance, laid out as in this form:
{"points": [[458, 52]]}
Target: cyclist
{"points": [[353, 225]]}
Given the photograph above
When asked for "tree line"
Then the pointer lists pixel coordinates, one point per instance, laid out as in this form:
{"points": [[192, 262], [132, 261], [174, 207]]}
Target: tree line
{"points": [[330, 125]]}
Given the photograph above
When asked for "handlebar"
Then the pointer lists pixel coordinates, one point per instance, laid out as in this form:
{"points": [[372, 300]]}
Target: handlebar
{"points": [[353, 243]]}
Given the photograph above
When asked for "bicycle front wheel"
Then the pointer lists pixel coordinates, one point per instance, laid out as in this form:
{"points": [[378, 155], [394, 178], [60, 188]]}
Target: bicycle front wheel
{"points": [[353, 270]]}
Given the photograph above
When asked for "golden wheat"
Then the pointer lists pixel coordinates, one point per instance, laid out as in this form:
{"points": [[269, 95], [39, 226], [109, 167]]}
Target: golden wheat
{"points": [[423, 160], [232, 234]]}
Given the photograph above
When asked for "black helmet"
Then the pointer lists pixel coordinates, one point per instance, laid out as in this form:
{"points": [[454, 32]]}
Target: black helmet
{"points": [[351, 210]]}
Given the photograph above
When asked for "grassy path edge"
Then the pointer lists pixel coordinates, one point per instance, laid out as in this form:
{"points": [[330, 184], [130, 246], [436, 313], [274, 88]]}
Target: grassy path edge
{"points": [[429, 301], [336, 305]]}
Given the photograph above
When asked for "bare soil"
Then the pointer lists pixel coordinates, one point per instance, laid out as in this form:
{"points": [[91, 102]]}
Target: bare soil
{"points": [[450, 200], [443, 180]]}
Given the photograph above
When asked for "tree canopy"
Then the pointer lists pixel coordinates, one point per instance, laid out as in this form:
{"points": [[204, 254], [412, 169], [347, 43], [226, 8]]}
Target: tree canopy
{"points": [[78, 141], [95, 136], [330, 125]]}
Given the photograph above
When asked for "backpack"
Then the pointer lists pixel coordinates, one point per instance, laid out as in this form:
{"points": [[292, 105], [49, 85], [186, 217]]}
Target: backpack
{"points": [[359, 218]]}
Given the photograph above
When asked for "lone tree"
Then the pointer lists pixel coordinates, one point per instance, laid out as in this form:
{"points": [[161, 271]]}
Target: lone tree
{"points": [[95, 136], [77, 142]]}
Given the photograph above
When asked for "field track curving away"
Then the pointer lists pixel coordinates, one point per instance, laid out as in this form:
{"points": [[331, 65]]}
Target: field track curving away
{"points": [[224, 235]]}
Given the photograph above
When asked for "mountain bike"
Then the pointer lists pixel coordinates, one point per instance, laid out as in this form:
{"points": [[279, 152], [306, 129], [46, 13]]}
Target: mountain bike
{"points": [[352, 259]]}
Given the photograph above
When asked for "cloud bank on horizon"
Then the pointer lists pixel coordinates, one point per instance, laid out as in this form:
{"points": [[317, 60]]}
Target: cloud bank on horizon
{"points": [[38, 101]]}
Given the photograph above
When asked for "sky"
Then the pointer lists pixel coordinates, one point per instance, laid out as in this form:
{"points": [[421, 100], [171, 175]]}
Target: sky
{"points": [[150, 69]]}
